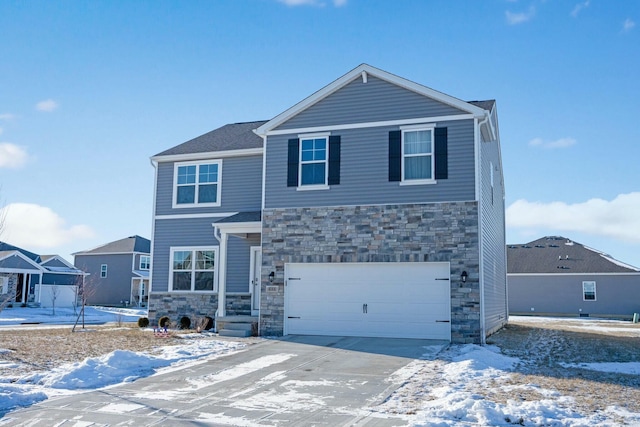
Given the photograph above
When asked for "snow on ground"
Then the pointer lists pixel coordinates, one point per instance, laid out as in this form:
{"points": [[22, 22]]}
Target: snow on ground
{"points": [[16, 316], [445, 388]]}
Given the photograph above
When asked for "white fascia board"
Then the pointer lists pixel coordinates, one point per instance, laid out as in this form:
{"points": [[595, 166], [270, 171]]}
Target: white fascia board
{"points": [[59, 258], [239, 227], [363, 125], [208, 155], [197, 215], [357, 73]]}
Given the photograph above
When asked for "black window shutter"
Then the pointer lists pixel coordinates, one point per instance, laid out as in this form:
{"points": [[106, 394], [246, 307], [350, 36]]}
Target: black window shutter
{"points": [[334, 160], [395, 155], [292, 164], [442, 162]]}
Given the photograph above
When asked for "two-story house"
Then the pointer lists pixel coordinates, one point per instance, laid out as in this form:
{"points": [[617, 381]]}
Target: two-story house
{"points": [[374, 207], [118, 272]]}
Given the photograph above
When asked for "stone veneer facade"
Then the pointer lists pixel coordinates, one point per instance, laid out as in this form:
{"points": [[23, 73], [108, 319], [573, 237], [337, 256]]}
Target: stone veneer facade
{"points": [[194, 306], [435, 232]]}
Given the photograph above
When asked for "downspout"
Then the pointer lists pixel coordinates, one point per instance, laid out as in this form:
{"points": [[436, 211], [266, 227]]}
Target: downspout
{"points": [[154, 164]]}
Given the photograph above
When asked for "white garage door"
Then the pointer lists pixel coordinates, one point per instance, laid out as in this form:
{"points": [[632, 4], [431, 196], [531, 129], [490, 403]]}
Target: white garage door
{"points": [[397, 300]]}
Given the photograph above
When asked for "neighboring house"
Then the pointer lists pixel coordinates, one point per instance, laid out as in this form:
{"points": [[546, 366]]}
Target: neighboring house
{"points": [[119, 272], [559, 277], [27, 278], [374, 207]]}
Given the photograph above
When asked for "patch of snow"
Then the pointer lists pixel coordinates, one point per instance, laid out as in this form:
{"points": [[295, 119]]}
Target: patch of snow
{"points": [[631, 368]]}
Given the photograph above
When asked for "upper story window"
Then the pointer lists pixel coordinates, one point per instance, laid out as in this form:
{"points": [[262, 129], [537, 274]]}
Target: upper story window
{"points": [[103, 271], [313, 161], [417, 155], [589, 291], [145, 262], [192, 269], [197, 184]]}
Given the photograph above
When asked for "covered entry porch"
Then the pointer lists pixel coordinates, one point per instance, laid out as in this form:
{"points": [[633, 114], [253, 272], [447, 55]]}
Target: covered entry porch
{"points": [[233, 261]]}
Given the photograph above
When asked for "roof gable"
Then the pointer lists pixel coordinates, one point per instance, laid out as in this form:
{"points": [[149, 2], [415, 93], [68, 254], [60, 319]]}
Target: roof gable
{"points": [[364, 72], [127, 245], [7, 247], [559, 255], [16, 260]]}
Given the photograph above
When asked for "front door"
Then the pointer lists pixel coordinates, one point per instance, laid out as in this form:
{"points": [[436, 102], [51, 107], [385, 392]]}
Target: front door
{"points": [[254, 277]]}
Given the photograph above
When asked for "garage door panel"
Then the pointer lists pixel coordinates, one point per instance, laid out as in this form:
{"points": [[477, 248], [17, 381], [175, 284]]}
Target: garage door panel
{"points": [[409, 300]]}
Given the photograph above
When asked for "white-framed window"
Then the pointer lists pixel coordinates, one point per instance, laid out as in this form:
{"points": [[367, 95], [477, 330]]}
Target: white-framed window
{"points": [[418, 159], [314, 153], [145, 262], [193, 269], [197, 183], [588, 291], [103, 271]]}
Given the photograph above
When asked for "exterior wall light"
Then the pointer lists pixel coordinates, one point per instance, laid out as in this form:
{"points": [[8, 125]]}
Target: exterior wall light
{"points": [[464, 276], [272, 276]]}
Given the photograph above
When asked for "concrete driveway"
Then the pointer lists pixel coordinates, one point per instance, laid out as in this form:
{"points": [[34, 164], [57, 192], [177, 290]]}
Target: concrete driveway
{"points": [[294, 381]]}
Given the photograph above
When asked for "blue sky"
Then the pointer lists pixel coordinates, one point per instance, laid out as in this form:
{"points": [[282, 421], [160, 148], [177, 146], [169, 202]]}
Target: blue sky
{"points": [[89, 90]]}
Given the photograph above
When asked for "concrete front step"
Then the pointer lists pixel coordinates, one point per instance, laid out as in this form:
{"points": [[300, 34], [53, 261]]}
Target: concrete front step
{"points": [[235, 333], [238, 326]]}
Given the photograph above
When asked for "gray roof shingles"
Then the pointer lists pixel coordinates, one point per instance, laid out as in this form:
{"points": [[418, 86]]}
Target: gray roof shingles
{"points": [[126, 245], [234, 136], [557, 255]]}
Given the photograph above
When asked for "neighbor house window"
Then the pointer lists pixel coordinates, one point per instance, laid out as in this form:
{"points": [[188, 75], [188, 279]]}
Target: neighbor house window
{"points": [[313, 161], [198, 183], [417, 154], [103, 271], [192, 269], [145, 262], [589, 291]]}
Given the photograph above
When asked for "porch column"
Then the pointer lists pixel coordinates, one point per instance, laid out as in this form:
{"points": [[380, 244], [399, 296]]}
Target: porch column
{"points": [[222, 275]]}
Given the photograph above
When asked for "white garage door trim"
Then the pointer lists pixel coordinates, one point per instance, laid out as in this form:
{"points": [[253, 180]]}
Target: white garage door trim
{"points": [[396, 300]]}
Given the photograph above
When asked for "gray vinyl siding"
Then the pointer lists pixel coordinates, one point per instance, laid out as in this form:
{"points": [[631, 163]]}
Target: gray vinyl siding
{"points": [[192, 232], [364, 171], [238, 262], [376, 100], [61, 279], [616, 295], [241, 187], [114, 288], [494, 262], [136, 262]]}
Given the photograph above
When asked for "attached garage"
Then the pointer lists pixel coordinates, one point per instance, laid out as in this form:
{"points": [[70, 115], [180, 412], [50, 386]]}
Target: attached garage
{"points": [[394, 300]]}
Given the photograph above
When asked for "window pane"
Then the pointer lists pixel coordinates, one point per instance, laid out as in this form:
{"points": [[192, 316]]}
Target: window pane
{"points": [[205, 260], [208, 173], [208, 193], [187, 174], [204, 281], [418, 167], [313, 174], [320, 147], [181, 281], [186, 194], [182, 260], [418, 142]]}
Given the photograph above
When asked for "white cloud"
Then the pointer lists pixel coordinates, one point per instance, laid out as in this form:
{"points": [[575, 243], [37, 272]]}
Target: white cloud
{"points": [[627, 25], [336, 3], [48, 105], [35, 226], [7, 116], [558, 143], [519, 18], [617, 218], [12, 156], [578, 7]]}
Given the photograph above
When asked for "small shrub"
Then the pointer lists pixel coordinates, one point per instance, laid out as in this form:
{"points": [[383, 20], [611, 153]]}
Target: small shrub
{"points": [[204, 324], [164, 322], [143, 322], [185, 322]]}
